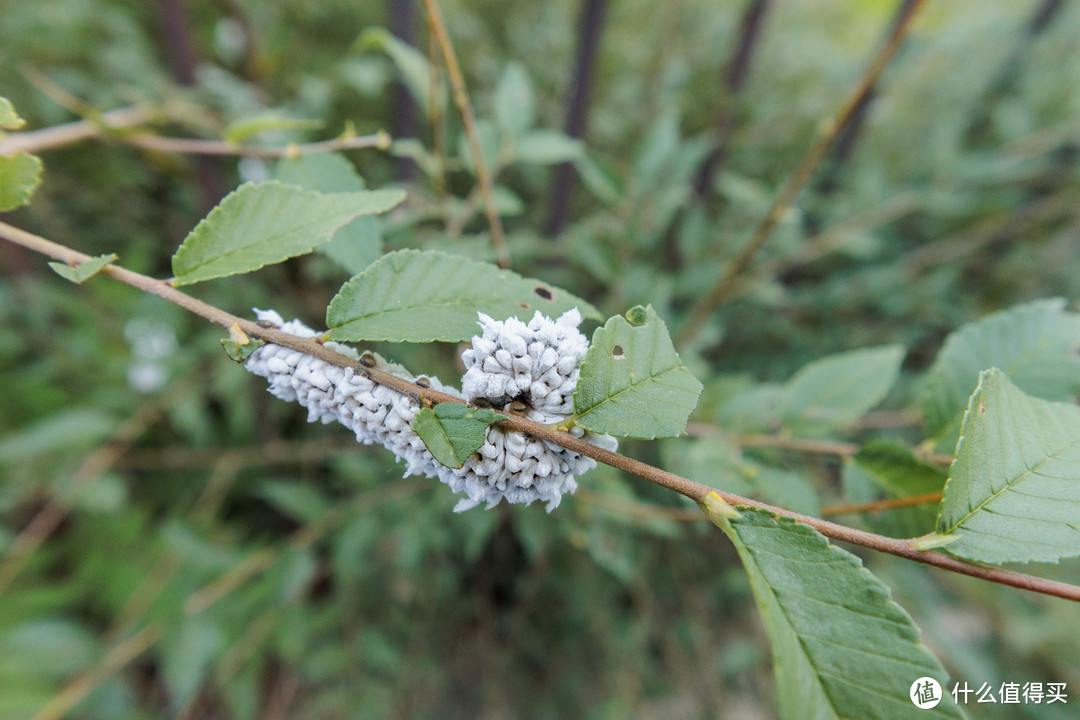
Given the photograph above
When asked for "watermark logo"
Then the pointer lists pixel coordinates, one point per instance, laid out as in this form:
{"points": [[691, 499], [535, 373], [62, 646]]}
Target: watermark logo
{"points": [[925, 693]]}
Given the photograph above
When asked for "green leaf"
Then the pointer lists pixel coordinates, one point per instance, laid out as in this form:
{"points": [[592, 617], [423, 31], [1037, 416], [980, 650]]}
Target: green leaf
{"points": [[414, 296], [632, 382], [355, 245], [837, 390], [413, 64], [546, 147], [321, 172], [256, 225], [83, 271], [20, 174], [1037, 345], [452, 431], [841, 647], [246, 128], [1014, 491], [514, 100], [9, 119]]}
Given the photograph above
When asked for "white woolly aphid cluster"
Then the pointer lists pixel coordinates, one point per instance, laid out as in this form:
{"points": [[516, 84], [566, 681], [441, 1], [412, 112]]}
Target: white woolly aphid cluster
{"points": [[531, 367]]}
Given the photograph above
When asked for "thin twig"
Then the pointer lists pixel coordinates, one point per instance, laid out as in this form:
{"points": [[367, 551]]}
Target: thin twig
{"points": [[877, 505], [461, 98], [195, 146], [802, 445], [548, 433], [48, 138], [795, 183]]}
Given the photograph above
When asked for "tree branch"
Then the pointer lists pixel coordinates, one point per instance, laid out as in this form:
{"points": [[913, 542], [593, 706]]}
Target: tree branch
{"points": [[468, 118], [695, 491], [795, 182]]}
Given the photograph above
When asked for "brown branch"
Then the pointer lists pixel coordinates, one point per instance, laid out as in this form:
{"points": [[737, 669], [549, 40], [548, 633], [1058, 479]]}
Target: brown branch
{"points": [[461, 98], [795, 183], [876, 505], [549, 433]]}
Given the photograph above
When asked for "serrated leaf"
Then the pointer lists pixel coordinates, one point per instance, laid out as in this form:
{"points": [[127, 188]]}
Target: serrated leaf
{"points": [[9, 119], [1013, 494], [633, 383], [841, 647], [414, 296], [356, 244], [546, 147], [452, 431], [20, 175], [413, 64], [247, 128], [256, 225], [83, 271], [1036, 344], [514, 100], [837, 390]]}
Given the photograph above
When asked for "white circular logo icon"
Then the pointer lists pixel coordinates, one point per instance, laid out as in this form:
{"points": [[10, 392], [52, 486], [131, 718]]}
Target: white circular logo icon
{"points": [[925, 693]]}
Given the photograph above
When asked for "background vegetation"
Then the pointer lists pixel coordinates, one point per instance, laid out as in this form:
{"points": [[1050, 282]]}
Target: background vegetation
{"points": [[210, 555]]}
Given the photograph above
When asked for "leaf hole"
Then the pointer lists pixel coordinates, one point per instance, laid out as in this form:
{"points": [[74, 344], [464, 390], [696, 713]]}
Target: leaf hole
{"points": [[543, 292], [618, 353], [524, 305]]}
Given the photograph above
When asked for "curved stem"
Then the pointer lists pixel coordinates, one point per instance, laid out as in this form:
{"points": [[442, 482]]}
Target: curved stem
{"points": [[695, 491]]}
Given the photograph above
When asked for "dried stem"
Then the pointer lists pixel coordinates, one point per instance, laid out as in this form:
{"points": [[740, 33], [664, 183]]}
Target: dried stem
{"points": [[803, 445], [795, 182], [695, 491], [461, 98], [877, 505]]}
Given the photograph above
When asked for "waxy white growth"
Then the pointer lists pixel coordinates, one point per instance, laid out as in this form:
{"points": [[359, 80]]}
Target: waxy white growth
{"points": [[536, 365]]}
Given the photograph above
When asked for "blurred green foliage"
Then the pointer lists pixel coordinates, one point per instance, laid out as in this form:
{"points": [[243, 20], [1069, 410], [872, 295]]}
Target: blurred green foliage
{"points": [[288, 570]]}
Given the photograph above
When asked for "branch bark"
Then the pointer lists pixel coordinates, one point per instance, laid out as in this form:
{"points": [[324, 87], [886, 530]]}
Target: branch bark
{"points": [[697, 492]]}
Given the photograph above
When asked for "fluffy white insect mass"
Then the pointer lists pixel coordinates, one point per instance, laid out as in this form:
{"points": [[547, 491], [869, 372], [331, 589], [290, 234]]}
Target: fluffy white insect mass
{"points": [[531, 367]]}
